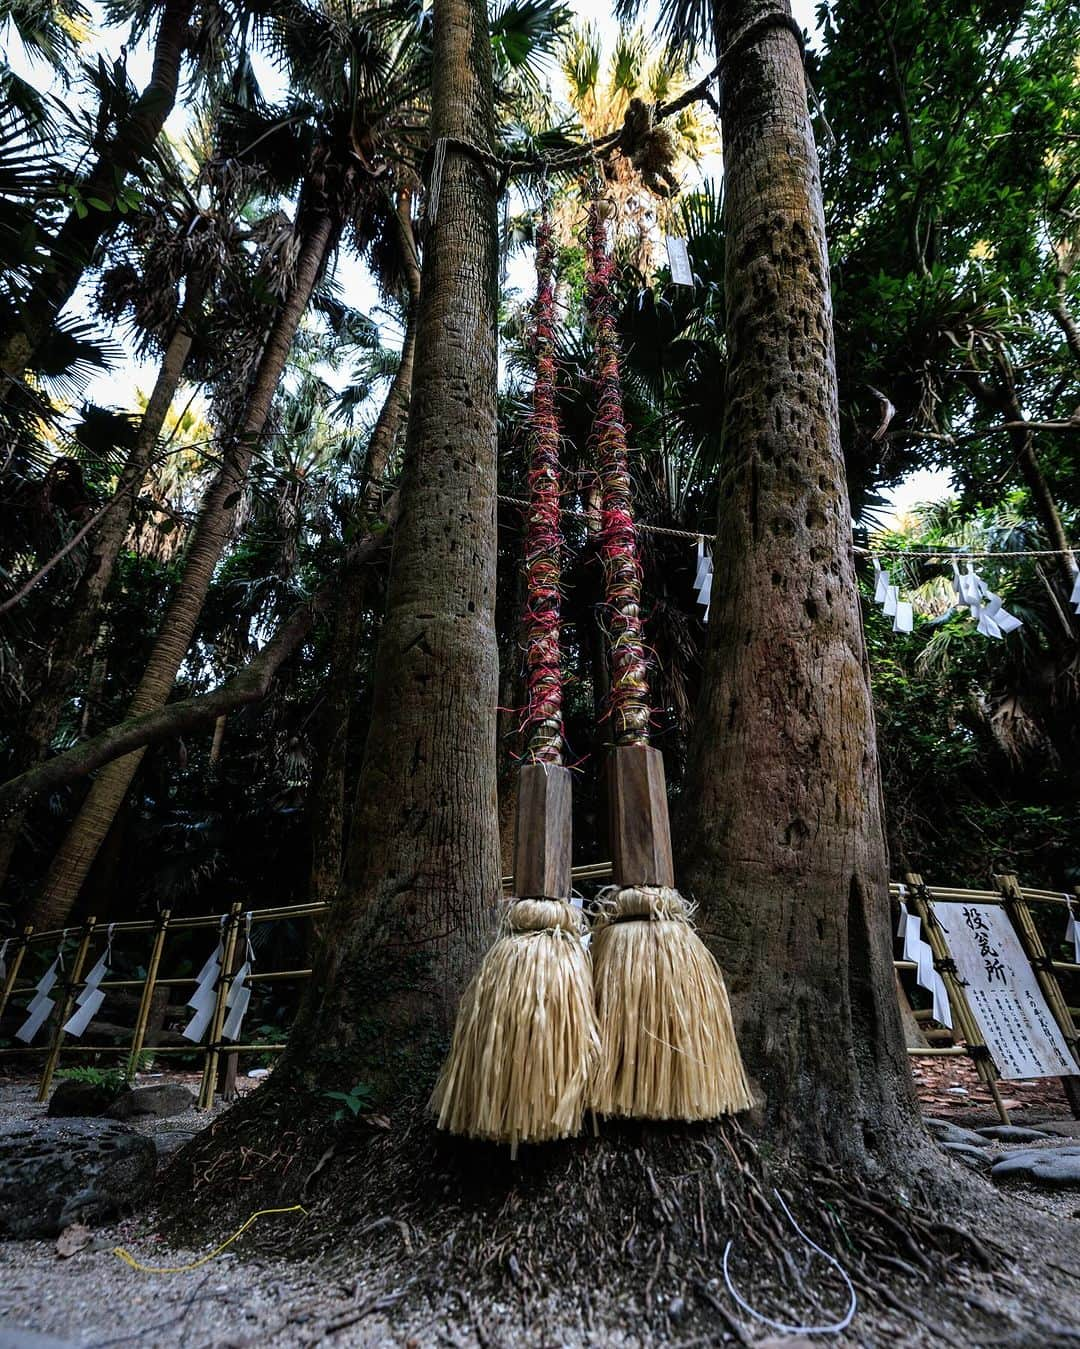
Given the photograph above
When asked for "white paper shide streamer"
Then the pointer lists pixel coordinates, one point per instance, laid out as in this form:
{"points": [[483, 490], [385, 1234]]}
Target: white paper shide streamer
{"points": [[921, 953], [41, 1006], [205, 995], [991, 617], [888, 596], [1072, 928], [92, 995], [703, 578], [240, 992]]}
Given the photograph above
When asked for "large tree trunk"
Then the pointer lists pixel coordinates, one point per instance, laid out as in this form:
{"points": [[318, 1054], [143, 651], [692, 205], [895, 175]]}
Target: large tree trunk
{"points": [[327, 805], [782, 840], [219, 508], [82, 622], [72, 249], [422, 876]]}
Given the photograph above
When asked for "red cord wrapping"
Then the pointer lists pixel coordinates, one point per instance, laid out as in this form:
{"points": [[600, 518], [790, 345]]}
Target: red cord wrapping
{"points": [[543, 541], [628, 700]]}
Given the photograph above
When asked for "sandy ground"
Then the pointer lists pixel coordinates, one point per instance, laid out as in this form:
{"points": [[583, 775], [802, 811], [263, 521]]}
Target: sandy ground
{"points": [[94, 1298]]}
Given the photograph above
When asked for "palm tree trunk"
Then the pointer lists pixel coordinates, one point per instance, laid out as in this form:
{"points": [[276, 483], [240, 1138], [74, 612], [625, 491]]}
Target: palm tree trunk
{"points": [[72, 249], [219, 508], [781, 832], [82, 622], [422, 874], [327, 805]]}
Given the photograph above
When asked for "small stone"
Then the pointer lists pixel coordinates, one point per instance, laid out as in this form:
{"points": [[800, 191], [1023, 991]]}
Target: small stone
{"points": [[676, 1308], [1012, 1133], [158, 1102], [258, 1072], [944, 1132], [1048, 1166], [82, 1100]]}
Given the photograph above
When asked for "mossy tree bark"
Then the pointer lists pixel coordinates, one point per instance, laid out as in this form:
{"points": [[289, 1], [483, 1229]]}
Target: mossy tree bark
{"points": [[422, 875], [82, 623], [217, 514], [72, 250], [781, 830]]}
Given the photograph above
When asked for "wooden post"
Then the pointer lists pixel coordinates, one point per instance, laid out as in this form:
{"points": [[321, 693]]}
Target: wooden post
{"points": [[213, 1042], [542, 833], [962, 1013], [638, 817], [14, 966], [147, 999], [66, 1004], [1017, 908]]}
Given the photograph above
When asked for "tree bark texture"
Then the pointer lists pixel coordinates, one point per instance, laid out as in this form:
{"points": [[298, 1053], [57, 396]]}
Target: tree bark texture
{"points": [[422, 877], [781, 838], [72, 250], [217, 515], [83, 617], [327, 807]]}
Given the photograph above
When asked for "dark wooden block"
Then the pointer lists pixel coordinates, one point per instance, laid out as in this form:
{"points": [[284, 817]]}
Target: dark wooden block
{"points": [[638, 817], [542, 835]]}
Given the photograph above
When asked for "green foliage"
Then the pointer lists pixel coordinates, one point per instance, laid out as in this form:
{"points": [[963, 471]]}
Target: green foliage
{"points": [[354, 1102], [110, 1078]]}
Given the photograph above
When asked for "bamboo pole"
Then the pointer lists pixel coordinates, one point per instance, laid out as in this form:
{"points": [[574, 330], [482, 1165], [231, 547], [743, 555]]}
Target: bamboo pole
{"points": [[65, 1008], [143, 1015], [969, 1027], [13, 968], [213, 1046], [1016, 905]]}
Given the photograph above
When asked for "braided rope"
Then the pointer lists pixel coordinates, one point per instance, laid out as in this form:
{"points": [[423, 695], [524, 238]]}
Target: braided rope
{"points": [[628, 699], [543, 729]]}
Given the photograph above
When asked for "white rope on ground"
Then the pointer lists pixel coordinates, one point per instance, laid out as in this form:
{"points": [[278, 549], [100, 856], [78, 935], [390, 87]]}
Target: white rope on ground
{"points": [[836, 1327]]}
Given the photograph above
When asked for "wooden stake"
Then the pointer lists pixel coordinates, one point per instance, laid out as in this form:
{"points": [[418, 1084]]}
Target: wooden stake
{"points": [[146, 1001], [66, 1005], [1018, 911], [542, 833], [965, 1018], [638, 817], [14, 966], [213, 1042]]}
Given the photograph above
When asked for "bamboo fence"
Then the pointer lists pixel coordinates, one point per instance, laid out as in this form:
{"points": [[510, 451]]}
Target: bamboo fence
{"points": [[219, 1057]]}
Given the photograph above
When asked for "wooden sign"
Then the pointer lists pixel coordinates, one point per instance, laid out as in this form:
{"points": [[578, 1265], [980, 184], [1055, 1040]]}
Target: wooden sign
{"points": [[1003, 992]]}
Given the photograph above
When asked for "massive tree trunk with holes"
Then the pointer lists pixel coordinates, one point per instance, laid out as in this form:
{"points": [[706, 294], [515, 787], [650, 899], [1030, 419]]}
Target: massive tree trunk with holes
{"points": [[78, 850], [781, 832], [422, 876], [81, 626], [72, 250]]}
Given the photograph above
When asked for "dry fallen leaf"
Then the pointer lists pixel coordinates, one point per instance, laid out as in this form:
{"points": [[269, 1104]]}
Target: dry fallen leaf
{"points": [[72, 1239]]}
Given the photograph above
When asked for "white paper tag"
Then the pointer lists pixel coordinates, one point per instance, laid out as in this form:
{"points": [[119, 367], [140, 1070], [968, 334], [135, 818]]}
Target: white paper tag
{"points": [[912, 937], [942, 1010], [988, 627], [95, 976], [679, 261], [901, 927], [705, 594], [3, 959], [881, 587], [213, 962], [204, 996], [1074, 598], [1072, 933], [85, 1012], [892, 599], [35, 1020], [1007, 622], [704, 567], [231, 1028], [196, 1027], [905, 618], [926, 972]]}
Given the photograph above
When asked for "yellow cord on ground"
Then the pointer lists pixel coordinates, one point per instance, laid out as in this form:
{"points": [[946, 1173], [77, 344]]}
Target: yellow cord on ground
{"points": [[129, 1259]]}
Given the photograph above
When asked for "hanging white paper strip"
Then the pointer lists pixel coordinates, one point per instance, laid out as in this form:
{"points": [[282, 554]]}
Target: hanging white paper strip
{"points": [[1074, 598], [881, 585], [705, 594], [905, 618], [892, 599], [1072, 930], [3, 959], [679, 261], [85, 1011], [942, 1012], [239, 994], [35, 1020]]}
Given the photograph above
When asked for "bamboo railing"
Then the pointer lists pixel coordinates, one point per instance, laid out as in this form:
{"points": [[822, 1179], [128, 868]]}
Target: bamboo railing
{"points": [[216, 1053]]}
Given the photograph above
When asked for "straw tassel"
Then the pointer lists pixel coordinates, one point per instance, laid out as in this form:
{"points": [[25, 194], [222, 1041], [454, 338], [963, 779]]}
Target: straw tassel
{"points": [[668, 1047], [525, 1043], [667, 1044]]}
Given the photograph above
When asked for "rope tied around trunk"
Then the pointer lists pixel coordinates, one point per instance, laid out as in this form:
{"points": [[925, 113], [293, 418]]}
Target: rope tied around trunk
{"points": [[628, 699], [543, 727]]}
